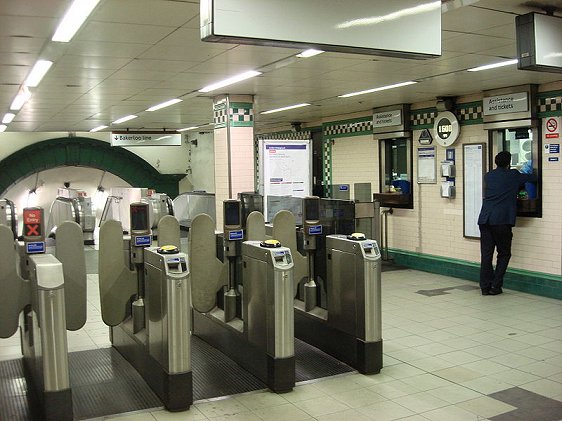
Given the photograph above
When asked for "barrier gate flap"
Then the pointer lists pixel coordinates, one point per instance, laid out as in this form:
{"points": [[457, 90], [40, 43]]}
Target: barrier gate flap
{"points": [[70, 252], [255, 227], [284, 232], [117, 283], [208, 274], [169, 232], [15, 292]]}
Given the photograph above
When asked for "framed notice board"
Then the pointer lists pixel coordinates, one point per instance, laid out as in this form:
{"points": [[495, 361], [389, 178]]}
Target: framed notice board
{"points": [[474, 168]]}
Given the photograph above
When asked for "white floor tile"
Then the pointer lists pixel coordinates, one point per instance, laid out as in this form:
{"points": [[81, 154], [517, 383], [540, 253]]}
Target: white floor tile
{"points": [[221, 408], [455, 393], [486, 407], [385, 411], [451, 412], [192, 415], [321, 406], [544, 387], [286, 412], [421, 402]]}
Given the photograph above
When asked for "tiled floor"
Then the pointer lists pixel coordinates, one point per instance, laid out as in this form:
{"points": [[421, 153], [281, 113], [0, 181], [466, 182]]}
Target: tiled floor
{"points": [[449, 355]]}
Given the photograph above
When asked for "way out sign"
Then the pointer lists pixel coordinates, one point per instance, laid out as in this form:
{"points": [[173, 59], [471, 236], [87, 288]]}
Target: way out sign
{"points": [[551, 127]]}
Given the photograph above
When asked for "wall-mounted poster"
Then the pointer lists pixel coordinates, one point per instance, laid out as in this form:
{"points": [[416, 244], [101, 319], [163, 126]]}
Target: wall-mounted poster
{"points": [[426, 165], [474, 167]]}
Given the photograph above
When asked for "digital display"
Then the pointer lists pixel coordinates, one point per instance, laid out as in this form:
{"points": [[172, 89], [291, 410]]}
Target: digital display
{"points": [[311, 209], [139, 217], [232, 213]]}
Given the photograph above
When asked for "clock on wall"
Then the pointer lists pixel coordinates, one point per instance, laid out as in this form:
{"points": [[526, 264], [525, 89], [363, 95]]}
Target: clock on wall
{"points": [[446, 128]]}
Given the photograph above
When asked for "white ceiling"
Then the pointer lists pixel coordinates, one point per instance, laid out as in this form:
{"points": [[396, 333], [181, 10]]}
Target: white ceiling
{"points": [[132, 54]]}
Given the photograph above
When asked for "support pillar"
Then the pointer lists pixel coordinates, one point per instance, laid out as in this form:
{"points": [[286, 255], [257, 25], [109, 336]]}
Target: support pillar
{"points": [[234, 148]]}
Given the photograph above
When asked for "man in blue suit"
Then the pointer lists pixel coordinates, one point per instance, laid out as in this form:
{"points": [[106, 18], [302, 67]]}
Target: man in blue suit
{"points": [[497, 217]]}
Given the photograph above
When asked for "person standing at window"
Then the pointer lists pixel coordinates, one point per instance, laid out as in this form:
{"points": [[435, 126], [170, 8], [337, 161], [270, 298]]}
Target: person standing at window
{"points": [[496, 219]]}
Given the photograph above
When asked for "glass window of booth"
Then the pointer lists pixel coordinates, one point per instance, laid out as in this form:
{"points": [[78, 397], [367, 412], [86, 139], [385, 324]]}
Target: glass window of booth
{"points": [[522, 143], [395, 156]]}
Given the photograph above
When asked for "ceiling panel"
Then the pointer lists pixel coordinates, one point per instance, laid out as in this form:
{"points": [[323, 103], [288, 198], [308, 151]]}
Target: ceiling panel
{"points": [[132, 54]]}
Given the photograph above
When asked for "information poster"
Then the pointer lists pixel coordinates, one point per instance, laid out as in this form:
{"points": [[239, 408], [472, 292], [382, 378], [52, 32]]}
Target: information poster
{"points": [[285, 168], [426, 165], [473, 186]]}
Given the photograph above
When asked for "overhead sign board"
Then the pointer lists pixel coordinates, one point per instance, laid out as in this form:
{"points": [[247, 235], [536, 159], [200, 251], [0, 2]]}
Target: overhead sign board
{"points": [[401, 28], [145, 139], [387, 118], [503, 104]]}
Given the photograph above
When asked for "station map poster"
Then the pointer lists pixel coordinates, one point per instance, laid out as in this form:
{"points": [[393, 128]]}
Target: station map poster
{"points": [[474, 167], [285, 168]]}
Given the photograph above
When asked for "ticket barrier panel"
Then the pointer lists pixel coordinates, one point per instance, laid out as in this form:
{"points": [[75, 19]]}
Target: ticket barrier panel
{"points": [[146, 300], [259, 338], [8, 215], [337, 324], [44, 305]]}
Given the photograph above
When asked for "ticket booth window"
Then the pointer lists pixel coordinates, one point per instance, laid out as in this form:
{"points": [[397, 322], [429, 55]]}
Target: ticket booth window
{"points": [[523, 145], [395, 173]]}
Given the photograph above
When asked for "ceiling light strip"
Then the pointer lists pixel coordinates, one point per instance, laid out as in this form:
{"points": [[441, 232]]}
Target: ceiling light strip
{"points": [[230, 81], [97, 129], [124, 119], [3, 128], [309, 53], [187, 128], [493, 65], [8, 117], [382, 88], [39, 71], [164, 104], [290, 107], [21, 98], [73, 19]]}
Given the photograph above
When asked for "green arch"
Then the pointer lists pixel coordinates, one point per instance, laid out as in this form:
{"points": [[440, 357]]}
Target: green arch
{"points": [[85, 152]]}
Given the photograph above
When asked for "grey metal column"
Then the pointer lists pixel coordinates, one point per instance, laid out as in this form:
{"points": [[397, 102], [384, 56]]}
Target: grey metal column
{"points": [[284, 317], [179, 323]]}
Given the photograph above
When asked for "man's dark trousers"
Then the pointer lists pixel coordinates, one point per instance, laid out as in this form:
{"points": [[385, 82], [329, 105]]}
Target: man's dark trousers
{"points": [[494, 237]]}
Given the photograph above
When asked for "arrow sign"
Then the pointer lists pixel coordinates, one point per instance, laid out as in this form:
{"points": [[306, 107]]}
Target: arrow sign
{"points": [[145, 139]]}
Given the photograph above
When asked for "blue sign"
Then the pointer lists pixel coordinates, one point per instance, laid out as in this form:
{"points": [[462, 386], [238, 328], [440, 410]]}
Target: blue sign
{"points": [[344, 187], [36, 247], [236, 235], [552, 159], [143, 240], [554, 148], [315, 230], [279, 253]]}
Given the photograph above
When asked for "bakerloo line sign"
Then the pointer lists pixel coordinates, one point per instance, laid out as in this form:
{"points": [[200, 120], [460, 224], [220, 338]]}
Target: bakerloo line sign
{"points": [[145, 139]]}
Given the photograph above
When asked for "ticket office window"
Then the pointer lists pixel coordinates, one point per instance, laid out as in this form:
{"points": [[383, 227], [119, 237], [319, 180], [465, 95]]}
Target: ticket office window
{"points": [[522, 143], [395, 173]]}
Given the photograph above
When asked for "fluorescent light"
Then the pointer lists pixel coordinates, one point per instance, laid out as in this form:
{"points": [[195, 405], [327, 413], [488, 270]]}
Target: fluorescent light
{"points": [[37, 73], [3, 128], [290, 107], [21, 98], [97, 129], [382, 88], [73, 19], [123, 119], [309, 53], [230, 81], [164, 104], [493, 65], [187, 128], [8, 117]]}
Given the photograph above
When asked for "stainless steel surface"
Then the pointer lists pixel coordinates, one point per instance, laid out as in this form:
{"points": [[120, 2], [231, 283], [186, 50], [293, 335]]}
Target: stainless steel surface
{"points": [[188, 205], [354, 293], [116, 282], [362, 192], [48, 283], [310, 285], [139, 318], [341, 191], [15, 291], [229, 304], [228, 146], [255, 227], [268, 298], [70, 252], [8, 215]]}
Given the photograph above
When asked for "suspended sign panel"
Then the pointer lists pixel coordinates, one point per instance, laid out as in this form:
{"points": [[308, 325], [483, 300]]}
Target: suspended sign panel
{"points": [[400, 28], [145, 139]]}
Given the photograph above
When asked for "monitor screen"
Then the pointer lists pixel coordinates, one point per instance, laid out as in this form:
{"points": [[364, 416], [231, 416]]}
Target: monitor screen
{"points": [[232, 213], [311, 209], [139, 217]]}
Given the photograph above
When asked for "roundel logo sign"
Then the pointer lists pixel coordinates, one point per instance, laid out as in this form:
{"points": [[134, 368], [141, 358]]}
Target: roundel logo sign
{"points": [[446, 128]]}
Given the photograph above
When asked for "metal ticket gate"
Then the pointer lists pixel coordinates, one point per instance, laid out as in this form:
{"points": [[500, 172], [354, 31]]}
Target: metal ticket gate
{"points": [[347, 322], [46, 295], [146, 300], [257, 333]]}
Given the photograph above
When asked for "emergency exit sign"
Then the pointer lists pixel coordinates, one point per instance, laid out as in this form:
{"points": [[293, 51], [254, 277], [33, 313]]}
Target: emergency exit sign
{"points": [[145, 139]]}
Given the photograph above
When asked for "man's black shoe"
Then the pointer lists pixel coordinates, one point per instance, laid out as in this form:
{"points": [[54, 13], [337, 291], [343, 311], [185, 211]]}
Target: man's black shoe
{"points": [[485, 291], [494, 291]]}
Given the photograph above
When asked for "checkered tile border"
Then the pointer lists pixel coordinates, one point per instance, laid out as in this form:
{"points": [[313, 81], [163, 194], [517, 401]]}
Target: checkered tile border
{"points": [[469, 114], [327, 163], [305, 135], [353, 127], [242, 114], [550, 103], [423, 118], [219, 115]]}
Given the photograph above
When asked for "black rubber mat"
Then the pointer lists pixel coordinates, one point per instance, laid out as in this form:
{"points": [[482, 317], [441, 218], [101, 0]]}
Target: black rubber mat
{"points": [[214, 374], [103, 382], [311, 363]]}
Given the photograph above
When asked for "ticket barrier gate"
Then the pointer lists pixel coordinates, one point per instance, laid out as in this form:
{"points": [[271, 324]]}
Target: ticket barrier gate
{"points": [[247, 317], [8, 215], [347, 323], [145, 297], [45, 295]]}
